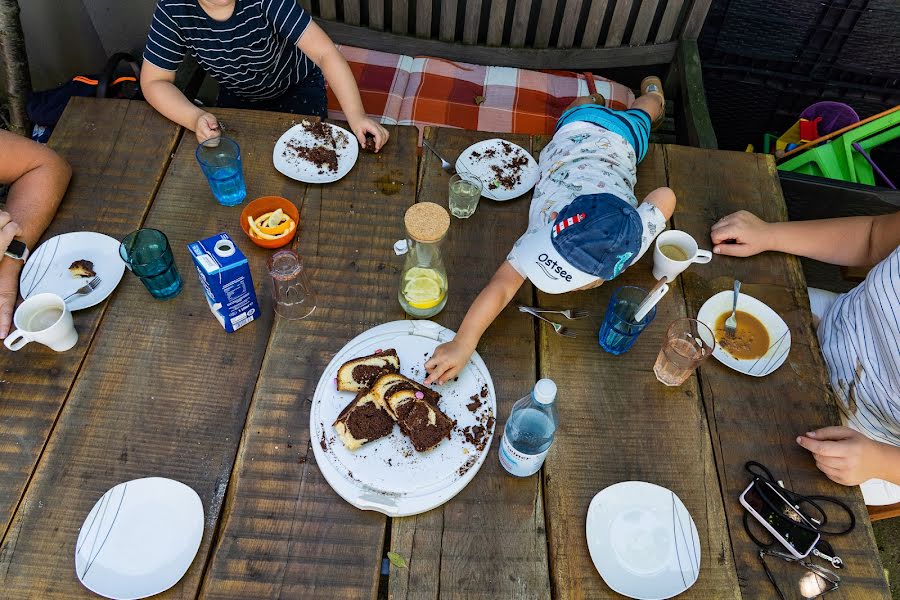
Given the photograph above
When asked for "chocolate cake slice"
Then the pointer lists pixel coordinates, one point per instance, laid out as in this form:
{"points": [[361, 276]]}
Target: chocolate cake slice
{"points": [[362, 421], [390, 383], [360, 373], [424, 424]]}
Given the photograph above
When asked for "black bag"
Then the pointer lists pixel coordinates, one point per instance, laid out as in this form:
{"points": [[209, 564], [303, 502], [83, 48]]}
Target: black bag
{"points": [[45, 108]]}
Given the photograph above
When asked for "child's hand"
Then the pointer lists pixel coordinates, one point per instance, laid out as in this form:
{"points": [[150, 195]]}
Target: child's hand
{"points": [[447, 361], [207, 127], [749, 232], [364, 125]]}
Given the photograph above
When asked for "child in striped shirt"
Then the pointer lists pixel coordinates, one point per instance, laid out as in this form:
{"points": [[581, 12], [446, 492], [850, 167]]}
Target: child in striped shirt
{"points": [[265, 55]]}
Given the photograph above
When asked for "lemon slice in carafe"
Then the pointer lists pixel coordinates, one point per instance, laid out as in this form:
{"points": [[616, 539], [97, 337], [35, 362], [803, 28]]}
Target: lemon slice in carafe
{"points": [[423, 288]]}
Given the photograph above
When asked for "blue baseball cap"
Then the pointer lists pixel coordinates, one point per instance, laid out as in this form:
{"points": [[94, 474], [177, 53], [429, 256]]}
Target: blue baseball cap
{"points": [[596, 236]]}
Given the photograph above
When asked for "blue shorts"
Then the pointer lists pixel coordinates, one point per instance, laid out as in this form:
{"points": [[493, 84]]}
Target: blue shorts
{"points": [[633, 124]]}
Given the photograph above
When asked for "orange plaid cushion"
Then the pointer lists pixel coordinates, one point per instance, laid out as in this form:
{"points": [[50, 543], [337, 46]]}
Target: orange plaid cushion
{"points": [[451, 94]]}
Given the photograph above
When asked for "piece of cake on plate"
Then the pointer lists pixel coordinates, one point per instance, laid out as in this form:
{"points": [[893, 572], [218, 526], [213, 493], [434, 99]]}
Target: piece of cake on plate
{"points": [[424, 424], [388, 383], [360, 373], [362, 421]]}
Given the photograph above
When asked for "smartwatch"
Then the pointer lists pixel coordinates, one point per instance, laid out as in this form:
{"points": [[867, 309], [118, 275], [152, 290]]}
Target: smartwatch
{"points": [[17, 250]]}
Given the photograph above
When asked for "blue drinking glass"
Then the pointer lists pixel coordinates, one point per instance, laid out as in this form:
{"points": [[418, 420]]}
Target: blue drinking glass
{"points": [[220, 160], [148, 255], [619, 329]]}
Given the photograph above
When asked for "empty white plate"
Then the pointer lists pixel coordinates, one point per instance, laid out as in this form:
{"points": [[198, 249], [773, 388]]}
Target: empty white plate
{"points": [[481, 159], [779, 334], [643, 541], [139, 539]]}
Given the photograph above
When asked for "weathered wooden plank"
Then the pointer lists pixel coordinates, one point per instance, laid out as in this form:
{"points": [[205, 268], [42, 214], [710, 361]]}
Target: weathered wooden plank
{"points": [[591, 36], [617, 25], [164, 391], [448, 20], [118, 151], [754, 419], [328, 9], [641, 31], [521, 16], [399, 21], [696, 16], [546, 18], [285, 533], [618, 423], [685, 81], [666, 29], [423, 18], [351, 12], [376, 14], [569, 24], [526, 58], [496, 22], [447, 548]]}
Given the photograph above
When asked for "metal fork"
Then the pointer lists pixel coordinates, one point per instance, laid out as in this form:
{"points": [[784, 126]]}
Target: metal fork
{"points": [[87, 288], [561, 330], [569, 313], [445, 164], [731, 322]]}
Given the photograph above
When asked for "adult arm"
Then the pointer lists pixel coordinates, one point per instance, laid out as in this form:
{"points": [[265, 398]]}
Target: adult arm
{"points": [[450, 358], [38, 178], [846, 241], [850, 458]]}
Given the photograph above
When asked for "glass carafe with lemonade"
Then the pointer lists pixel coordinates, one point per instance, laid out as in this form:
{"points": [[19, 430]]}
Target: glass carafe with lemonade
{"points": [[423, 281]]}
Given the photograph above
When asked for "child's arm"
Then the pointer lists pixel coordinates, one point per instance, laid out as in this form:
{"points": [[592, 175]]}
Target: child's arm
{"points": [[316, 44], [158, 87], [449, 359], [861, 241]]}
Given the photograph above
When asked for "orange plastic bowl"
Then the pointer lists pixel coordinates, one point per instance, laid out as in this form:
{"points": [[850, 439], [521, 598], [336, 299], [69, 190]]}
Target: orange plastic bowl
{"points": [[261, 206]]}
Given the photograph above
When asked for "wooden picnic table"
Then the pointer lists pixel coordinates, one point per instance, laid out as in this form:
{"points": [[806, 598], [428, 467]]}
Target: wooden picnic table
{"points": [[159, 389]]}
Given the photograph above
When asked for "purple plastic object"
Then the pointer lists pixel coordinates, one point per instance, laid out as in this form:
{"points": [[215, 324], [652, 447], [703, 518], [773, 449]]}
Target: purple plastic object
{"points": [[835, 115], [868, 158]]}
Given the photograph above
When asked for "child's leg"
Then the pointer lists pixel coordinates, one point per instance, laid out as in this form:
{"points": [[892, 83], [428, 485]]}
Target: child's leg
{"points": [[652, 104]]}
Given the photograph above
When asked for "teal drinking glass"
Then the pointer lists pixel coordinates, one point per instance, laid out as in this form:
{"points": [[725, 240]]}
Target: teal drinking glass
{"points": [[220, 161], [148, 255], [619, 329]]}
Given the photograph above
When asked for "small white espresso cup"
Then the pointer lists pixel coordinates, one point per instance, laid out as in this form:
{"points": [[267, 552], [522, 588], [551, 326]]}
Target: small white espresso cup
{"points": [[45, 319], [663, 266]]}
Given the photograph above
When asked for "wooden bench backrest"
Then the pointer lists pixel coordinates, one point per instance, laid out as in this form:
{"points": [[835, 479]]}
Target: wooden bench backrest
{"points": [[542, 34]]}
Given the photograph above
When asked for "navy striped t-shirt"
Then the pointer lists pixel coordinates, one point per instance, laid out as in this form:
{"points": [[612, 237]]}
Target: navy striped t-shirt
{"points": [[253, 53]]}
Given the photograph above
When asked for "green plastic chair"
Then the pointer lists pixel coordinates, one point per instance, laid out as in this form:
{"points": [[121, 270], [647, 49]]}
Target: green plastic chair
{"points": [[837, 159]]}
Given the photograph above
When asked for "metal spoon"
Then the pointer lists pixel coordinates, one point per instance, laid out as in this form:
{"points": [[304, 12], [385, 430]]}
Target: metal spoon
{"points": [[731, 322], [445, 164]]}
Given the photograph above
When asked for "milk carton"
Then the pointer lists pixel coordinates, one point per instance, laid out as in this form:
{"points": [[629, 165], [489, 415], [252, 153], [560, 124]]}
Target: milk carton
{"points": [[225, 275]]}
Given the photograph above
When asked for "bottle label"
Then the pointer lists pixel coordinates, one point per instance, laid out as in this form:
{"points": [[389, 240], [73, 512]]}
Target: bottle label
{"points": [[519, 463]]}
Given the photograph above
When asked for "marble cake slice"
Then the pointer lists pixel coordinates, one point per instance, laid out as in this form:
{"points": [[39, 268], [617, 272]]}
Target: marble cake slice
{"points": [[362, 421], [360, 373], [389, 383], [422, 422]]}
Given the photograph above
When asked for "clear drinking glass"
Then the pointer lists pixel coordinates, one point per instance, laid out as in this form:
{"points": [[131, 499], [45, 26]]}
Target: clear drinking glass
{"points": [[291, 290], [619, 329], [148, 255], [220, 161], [688, 343], [465, 192]]}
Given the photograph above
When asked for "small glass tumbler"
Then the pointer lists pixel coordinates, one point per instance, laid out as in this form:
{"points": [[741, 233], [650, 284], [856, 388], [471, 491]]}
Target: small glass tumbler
{"points": [[293, 295], [220, 161], [465, 192], [619, 329], [148, 255], [688, 343]]}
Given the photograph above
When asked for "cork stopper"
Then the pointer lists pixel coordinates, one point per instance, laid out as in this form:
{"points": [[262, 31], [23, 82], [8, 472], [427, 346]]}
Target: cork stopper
{"points": [[427, 222]]}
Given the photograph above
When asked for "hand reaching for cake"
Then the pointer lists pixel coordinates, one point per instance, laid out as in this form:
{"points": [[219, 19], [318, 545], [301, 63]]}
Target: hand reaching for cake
{"points": [[447, 361]]}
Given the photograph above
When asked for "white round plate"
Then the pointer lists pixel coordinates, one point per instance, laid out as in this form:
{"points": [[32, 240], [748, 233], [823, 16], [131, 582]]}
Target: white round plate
{"points": [[303, 170], [388, 475], [139, 539], [47, 269], [643, 541], [779, 334], [477, 160]]}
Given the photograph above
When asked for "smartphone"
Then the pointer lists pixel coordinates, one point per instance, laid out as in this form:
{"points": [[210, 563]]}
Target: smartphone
{"points": [[778, 517]]}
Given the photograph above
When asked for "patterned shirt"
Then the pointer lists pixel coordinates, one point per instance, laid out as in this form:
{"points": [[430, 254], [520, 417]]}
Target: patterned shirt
{"points": [[253, 53]]}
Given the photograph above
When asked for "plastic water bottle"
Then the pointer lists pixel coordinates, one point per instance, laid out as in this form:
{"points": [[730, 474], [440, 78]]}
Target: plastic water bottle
{"points": [[530, 430]]}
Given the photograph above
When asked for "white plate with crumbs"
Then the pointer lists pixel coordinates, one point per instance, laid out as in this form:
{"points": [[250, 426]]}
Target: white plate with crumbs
{"points": [[47, 269], [315, 152], [643, 540], [388, 475], [139, 539], [507, 170]]}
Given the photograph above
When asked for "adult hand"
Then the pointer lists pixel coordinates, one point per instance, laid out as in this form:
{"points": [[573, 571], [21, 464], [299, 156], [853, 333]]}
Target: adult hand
{"points": [[447, 361], [9, 293], [207, 127], [8, 230], [363, 125], [843, 454], [749, 233]]}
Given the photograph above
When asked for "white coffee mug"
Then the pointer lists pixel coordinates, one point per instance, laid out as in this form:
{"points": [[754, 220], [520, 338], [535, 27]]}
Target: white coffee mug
{"points": [[663, 266], [45, 319]]}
